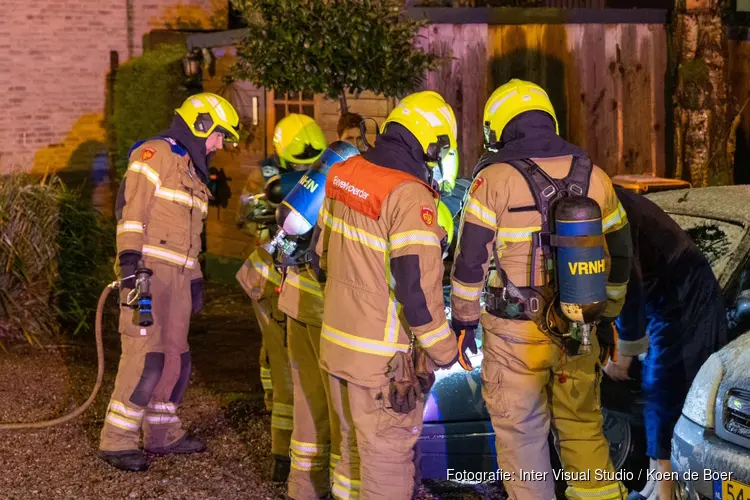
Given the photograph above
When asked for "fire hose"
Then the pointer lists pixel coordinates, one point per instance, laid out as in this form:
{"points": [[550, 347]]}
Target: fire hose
{"points": [[143, 296]]}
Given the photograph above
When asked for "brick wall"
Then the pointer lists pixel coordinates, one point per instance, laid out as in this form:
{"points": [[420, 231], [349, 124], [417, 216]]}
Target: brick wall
{"points": [[55, 59]]}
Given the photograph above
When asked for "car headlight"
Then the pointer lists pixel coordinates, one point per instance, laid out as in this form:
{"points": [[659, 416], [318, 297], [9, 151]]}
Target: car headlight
{"points": [[701, 399]]}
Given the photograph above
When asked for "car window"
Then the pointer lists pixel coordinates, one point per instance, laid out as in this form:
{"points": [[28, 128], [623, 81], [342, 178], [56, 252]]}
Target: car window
{"points": [[718, 240]]}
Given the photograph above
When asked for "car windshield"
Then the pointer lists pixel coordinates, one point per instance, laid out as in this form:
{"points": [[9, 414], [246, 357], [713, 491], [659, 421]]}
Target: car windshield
{"points": [[717, 239]]}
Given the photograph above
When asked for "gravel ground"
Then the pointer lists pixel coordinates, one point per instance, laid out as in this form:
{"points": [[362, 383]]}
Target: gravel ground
{"points": [[223, 405]]}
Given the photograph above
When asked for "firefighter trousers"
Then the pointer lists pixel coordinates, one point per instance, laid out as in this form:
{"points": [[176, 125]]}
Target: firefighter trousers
{"points": [[529, 385], [154, 368], [274, 339], [265, 375], [377, 444], [315, 438]]}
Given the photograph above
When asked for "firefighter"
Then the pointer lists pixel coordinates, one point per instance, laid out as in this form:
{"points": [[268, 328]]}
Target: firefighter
{"points": [[161, 206], [674, 312], [378, 248], [298, 143], [529, 378]]}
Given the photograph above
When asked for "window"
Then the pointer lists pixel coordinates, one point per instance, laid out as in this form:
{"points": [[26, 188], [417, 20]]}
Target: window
{"points": [[717, 240]]}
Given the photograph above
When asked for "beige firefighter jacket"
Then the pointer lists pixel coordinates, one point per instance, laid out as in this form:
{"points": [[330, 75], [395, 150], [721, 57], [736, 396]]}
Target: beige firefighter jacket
{"points": [[165, 207], [500, 212], [378, 242], [301, 296]]}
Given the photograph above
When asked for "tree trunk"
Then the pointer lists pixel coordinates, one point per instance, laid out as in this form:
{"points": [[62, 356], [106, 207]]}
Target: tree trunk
{"points": [[342, 100], [703, 112]]}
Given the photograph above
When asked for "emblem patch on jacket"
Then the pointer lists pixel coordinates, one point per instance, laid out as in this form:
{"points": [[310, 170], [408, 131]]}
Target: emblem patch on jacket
{"points": [[476, 185], [147, 154], [428, 215]]}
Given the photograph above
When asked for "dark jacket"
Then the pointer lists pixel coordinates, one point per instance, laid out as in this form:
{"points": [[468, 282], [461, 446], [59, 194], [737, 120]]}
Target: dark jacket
{"points": [[671, 283]]}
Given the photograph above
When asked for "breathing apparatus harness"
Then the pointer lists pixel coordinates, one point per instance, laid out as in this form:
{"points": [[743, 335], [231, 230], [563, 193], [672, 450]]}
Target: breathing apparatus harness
{"points": [[538, 302]]}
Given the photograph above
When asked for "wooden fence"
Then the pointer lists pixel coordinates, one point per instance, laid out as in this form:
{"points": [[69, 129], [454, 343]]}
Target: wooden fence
{"points": [[604, 71]]}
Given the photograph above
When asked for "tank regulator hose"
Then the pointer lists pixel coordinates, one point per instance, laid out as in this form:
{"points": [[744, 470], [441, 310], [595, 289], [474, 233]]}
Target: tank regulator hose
{"points": [[99, 374]]}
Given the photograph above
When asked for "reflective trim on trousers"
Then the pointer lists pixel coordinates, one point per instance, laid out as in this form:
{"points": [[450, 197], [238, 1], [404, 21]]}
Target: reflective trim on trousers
{"points": [[345, 488]]}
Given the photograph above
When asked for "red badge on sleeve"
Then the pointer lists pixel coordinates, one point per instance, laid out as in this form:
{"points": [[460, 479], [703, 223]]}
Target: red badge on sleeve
{"points": [[428, 215], [147, 154], [476, 185]]}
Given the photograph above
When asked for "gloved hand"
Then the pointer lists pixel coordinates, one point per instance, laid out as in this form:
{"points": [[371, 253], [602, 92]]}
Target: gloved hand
{"points": [[128, 265], [196, 294], [606, 333], [402, 390], [424, 368], [466, 336]]}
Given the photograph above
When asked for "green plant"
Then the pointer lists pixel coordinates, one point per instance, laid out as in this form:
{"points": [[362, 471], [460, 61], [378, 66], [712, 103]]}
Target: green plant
{"points": [[29, 217], [56, 253], [331, 47], [85, 261], [147, 91]]}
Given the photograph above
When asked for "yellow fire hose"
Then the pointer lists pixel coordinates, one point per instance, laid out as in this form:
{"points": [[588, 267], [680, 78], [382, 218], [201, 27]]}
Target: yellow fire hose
{"points": [[99, 374]]}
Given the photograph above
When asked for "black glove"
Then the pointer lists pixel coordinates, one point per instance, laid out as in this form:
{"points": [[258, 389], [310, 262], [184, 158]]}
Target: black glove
{"points": [[128, 265], [196, 294], [607, 336], [466, 336]]}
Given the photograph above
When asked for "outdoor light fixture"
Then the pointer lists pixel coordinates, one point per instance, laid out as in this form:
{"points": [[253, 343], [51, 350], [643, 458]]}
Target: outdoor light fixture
{"points": [[191, 63]]}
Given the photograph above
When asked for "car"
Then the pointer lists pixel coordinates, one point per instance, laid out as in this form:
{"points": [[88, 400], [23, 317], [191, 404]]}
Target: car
{"points": [[711, 442], [457, 433]]}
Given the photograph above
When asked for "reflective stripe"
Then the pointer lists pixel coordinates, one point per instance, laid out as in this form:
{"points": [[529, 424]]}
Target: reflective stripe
{"points": [[615, 292], [146, 170], [162, 419], [516, 234], [166, 193], [263, 268], [125, 411], [616, 217], [265, 372], [416, 237], [392, 324], [282, 423], [434, 336], [163, 407], [352, 233], [304, 284], [345, 488], [360, 344], [121, 422], [309, 456], [181, 198], [309, 447], [481, 212], [466, 292], [169, 256], [283, 409], [267, 384], [130, 226], [613, 491]]}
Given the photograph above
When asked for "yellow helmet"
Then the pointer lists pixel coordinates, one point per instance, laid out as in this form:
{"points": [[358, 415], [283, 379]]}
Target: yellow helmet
{"points": [[510, 100], [298, 139], [207, 113], [445, 219], [431, 120]]}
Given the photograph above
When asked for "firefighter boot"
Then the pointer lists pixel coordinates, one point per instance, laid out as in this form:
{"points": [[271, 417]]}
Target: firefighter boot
{"points": [[280, 470], [186, 444], [129, 460]]}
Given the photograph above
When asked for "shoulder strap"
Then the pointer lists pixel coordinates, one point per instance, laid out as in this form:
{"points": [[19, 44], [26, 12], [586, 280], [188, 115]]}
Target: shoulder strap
{"points": [[579, 176]]}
